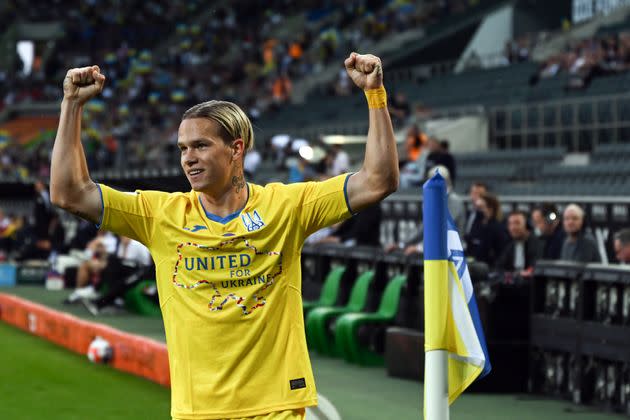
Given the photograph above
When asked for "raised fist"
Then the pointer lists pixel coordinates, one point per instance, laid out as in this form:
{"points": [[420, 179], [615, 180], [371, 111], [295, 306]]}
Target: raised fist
{"points": [[365, 70], [83, 84]]}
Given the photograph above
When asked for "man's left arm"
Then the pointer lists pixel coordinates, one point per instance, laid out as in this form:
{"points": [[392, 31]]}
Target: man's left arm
{"points": [[378, 177]]}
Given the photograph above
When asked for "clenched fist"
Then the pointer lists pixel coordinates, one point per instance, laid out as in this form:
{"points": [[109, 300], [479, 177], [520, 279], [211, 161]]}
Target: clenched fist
{"points": [[83, 84], [365, 70]]}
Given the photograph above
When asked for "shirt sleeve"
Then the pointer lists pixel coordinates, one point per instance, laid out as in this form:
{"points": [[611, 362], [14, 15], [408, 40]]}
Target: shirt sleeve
{"points": [[130, 214], [321, 204]]}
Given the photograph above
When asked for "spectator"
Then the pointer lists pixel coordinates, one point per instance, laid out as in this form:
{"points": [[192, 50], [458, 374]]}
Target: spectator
{"points": [[399, 109], [251, 162], [84, 234], [546, 220], [477, 188], [437, 156], [89, 273], [131, 264], [281, 89], [524, 249], [300, 170], [43, 210], [448, 159], [428, 158], [361, 229], [280, 143], [414, 143], [433, 154], [491, 238], [343, 85], [46, 237], [622, 246], [340, 161], [6, 242], [577, 246]]}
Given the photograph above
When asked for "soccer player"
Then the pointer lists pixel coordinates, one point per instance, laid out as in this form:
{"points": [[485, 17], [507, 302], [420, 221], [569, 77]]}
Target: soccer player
{"points": [[227, 253]]}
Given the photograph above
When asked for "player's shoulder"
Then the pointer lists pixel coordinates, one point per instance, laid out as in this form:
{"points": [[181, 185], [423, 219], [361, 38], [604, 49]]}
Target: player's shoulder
{"points": [[277, 189], [166, 198], [297, 191]]}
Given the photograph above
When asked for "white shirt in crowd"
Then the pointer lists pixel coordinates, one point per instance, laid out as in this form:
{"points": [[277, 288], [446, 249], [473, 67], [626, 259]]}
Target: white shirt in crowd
{"points": [[252, 161], [341, 163], [134, 251], [110, 241], [519, 255]]}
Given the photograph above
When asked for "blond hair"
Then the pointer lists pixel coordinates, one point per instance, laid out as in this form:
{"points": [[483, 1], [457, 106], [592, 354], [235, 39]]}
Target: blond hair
{"points": [[232, 121]]}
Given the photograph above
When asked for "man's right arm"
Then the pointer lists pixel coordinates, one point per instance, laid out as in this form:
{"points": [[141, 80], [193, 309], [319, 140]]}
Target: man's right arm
{"points": [[71, 187]]}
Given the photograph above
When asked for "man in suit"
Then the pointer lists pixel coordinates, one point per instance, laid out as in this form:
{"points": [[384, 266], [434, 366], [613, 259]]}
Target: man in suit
{"points": [[524, 248], [546, 219], [577, 246]]}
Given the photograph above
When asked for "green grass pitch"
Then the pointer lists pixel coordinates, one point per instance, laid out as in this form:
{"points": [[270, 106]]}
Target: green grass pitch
{"points": [[40, 380]]}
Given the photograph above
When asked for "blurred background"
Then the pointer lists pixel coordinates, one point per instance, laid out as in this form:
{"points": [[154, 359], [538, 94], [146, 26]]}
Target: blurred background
{"points": [[520, 104]]}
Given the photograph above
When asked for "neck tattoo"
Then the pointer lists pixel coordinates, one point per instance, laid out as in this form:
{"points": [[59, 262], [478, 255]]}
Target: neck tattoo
{"points": [[238, 182]]}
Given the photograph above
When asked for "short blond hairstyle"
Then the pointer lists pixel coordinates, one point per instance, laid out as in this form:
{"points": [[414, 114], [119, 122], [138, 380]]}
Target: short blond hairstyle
{"points": [[232, 121]]}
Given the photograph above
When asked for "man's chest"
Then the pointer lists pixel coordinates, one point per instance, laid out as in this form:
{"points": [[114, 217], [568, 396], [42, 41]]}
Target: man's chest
{"points": [[217, 266]]}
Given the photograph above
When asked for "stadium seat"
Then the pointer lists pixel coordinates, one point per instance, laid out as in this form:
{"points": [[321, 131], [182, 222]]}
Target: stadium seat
{"points": [[137, 301], [330, 290], [347, 340], [319, 319]]}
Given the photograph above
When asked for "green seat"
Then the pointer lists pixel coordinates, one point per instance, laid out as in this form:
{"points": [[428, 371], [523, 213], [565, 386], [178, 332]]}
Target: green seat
{"points": [[346, 337], [136, 301], [329, 292], [317, 321]]}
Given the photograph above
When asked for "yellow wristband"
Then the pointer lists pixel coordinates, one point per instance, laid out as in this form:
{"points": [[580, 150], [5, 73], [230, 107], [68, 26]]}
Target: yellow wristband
{"points": [[377, 98]]}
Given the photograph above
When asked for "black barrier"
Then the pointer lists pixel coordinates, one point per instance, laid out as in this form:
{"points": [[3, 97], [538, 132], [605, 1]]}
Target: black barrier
{"points": [[606, 335], [555, 329], [580, 334]]}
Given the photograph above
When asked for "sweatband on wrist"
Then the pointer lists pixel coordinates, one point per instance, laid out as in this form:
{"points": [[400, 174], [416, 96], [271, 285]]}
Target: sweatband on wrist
{"points": [[376, 98]]}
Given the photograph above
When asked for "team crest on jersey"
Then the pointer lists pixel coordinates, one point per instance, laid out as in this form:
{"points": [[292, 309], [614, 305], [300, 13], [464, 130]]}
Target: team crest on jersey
{"points": [[252, 221]]}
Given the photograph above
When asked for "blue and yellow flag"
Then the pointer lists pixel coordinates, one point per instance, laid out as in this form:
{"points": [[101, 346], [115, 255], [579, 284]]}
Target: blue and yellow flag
{"points": [[451, 317]]}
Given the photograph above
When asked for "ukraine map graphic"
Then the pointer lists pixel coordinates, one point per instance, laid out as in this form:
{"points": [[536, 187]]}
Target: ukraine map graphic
{"points": [[221, 298]]}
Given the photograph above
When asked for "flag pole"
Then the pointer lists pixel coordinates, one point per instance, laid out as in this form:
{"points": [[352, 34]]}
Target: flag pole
{"points": [[436, 385], [435, 280]]}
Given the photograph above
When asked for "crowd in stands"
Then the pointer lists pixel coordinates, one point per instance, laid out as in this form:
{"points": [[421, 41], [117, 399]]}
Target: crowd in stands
{"points": [[588, 58], [91, 260], [238, 53]]}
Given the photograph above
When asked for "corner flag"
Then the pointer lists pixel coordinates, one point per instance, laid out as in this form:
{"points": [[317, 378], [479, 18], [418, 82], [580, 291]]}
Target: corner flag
{"points": [[452, 325]]}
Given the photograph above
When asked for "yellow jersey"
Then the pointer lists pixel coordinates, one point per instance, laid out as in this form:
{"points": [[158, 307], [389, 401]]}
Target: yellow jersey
{"points": [[230, 291]]}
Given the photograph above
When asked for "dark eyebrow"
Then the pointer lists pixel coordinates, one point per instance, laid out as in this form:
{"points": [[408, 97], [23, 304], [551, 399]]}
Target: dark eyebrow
{"points": [[195, 141]]}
